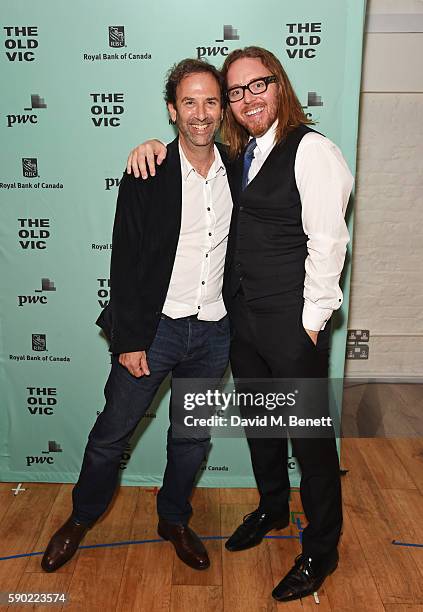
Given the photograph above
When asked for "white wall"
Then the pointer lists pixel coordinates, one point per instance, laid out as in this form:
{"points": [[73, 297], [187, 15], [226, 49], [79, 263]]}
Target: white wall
{"points": [[387, 262]]}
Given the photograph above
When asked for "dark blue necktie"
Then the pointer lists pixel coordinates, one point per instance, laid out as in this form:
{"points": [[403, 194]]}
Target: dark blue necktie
{"points": [[248, 158]]}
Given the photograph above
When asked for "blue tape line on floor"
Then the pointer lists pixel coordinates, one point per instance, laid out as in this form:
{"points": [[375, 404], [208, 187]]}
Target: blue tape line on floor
{"points": [[129, 542], [396, 543]]}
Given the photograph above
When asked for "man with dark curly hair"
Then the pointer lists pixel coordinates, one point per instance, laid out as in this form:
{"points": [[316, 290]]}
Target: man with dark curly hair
{"points": [[166, 313]]}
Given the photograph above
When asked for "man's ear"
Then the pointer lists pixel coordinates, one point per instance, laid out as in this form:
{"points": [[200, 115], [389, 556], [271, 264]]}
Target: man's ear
{"points": [[172, 112]]}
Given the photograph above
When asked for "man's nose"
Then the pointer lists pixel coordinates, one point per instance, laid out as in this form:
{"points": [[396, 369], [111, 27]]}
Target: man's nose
{"points": [[248, 96], [201, 112]]}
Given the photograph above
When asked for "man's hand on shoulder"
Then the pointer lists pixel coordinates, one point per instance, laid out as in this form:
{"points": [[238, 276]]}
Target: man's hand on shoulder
{"points": [[135, 363], [143, 156]]}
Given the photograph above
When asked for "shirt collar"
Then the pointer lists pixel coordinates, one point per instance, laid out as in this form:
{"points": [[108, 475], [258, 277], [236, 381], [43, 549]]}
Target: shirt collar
{"points": [[265, 142], [187, 168]]}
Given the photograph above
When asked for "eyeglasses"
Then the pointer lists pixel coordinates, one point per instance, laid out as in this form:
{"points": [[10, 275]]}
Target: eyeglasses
{"points": [[256, 87]]}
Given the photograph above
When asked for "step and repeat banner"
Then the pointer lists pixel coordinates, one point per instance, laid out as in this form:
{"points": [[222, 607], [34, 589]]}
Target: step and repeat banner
{"points": [[82, 85]]}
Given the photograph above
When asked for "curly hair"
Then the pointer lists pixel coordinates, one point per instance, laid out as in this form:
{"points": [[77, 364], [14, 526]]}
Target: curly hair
{"points": [[183, 69]]}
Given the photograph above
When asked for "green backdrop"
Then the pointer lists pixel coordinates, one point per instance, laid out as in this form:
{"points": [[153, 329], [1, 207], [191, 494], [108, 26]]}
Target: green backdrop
{"points": [[82, 84]]}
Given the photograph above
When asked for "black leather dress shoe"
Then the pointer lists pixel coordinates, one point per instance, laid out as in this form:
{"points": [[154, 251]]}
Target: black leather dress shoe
{"points": [[253, 529], [188, 545], [305, 577], [63, 545]]}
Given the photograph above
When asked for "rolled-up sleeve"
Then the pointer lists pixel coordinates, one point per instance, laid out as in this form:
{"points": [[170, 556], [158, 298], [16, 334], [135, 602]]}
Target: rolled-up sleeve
{"points": [[324, 183]]}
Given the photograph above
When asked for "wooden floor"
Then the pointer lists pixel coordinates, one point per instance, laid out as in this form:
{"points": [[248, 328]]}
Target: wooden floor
{"points": [[383, 501]]}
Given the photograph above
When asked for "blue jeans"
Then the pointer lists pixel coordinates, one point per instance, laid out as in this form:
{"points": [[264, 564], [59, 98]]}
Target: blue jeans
{"points": [[186, 347]]}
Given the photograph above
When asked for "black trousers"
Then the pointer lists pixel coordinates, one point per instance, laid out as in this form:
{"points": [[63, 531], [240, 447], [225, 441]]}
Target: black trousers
{"points": [[270, 342]]}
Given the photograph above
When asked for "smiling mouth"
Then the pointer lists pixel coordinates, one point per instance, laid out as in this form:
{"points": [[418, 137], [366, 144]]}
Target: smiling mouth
{"points": [[201, 127], [255, 111]]}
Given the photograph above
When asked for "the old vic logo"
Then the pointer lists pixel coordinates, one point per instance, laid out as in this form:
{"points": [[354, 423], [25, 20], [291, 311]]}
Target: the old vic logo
{"points": [[20, 43], [41, 400], [107, 109], [302, 40]]}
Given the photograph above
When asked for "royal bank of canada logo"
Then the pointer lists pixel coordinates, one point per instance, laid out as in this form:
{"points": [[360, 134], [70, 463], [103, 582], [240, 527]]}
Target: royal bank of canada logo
{"points": [[29, 167], [30, 170], [39, 342], [99, 247], [229, 34], [213, 468], [37, 102], [39, 346], [41, 400], [107, 109], [302, 39], [116, 36], [117, 41], [46, 286], [53, 447], [20, 43]]}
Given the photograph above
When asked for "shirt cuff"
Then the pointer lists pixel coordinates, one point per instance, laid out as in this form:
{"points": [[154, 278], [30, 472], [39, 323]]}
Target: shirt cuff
{"points": [[315, 318]]}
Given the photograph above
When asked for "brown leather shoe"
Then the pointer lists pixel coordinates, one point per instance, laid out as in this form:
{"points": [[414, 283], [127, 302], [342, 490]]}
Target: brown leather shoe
{"points": [[188, 545], [63, 545]]}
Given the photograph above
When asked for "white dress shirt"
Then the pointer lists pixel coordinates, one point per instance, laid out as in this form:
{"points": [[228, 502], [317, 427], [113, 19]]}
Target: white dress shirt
{"points": [[197, 276], [324, 182]]}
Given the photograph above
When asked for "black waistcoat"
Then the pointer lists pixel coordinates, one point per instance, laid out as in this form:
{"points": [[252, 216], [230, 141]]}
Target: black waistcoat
{"points": [[267, 245]]}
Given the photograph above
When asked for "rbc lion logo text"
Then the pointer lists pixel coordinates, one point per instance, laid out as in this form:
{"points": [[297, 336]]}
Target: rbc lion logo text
{"points": [[116, 36]]}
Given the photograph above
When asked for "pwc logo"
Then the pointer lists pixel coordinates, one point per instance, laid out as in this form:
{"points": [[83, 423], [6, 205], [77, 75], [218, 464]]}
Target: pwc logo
{"points": [[46, 286], [229, 34], [53, 447], [313, 100], [37, 102], [111, 183]]}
